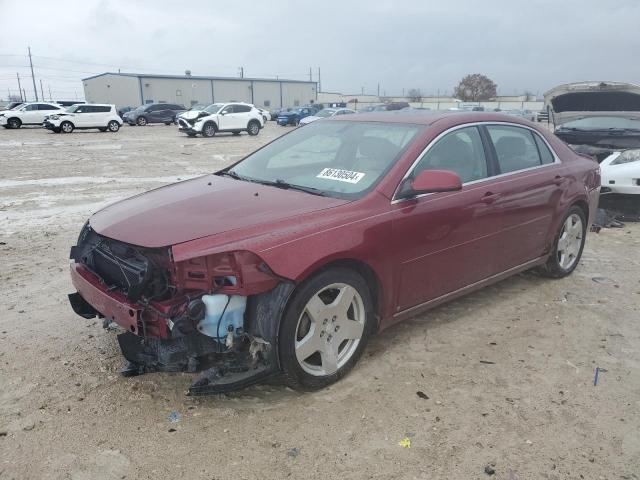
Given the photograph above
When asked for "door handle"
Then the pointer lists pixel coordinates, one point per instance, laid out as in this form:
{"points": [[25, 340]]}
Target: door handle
{"points": [[558, 180], [489, 197]]}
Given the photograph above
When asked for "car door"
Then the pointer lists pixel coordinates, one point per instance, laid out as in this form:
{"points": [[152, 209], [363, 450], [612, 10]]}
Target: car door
{"points": [[153, 114], [227, 119], [447, 241], [30, 114], [82, 116], [526, 192]]}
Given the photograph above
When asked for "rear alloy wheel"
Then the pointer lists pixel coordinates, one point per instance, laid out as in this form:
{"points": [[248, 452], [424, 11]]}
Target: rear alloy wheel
{"points": [[325, 328], [253, 128], [66, 127], [142, 121], [14, 123], [209, 129], [568, 245], [113, 126]]}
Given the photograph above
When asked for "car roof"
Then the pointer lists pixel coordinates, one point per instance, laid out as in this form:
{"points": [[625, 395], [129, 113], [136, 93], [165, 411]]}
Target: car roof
{"points": [[429, 117]]}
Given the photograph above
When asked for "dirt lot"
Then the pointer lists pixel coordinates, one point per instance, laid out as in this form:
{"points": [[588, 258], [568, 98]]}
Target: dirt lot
{"points": [[508, 371]]}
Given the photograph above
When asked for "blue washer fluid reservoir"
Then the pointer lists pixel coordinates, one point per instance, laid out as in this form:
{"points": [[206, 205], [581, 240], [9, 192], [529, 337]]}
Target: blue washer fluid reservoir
{"points": [[222, 313]]}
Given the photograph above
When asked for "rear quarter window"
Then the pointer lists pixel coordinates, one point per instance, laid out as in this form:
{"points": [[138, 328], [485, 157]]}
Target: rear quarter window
{"points": [[545, 154]]}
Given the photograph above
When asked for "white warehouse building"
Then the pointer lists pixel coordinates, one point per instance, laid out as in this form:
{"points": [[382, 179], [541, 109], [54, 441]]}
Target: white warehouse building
{"points": [[134, 89]]}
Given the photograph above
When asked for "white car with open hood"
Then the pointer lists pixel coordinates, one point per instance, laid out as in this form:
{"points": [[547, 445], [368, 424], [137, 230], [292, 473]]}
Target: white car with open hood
{"points": [[84, 116], [602, 119], [28, 114], [223, 117]]}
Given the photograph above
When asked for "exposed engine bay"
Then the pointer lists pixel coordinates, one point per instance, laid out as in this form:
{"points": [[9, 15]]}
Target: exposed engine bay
{"points": [[215, 314]]}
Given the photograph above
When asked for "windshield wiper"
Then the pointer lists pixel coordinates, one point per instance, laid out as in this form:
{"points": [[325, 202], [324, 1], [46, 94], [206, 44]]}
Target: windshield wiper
{"points": [[234, 175], [279, 183]]}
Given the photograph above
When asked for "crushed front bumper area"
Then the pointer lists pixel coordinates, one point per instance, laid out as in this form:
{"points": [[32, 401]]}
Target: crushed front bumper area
{"points": [[221, 372], [253, 359]]}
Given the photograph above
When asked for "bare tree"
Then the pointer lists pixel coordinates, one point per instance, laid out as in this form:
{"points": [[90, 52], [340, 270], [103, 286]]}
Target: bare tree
{"points": [[475, 87], [414, 94]]}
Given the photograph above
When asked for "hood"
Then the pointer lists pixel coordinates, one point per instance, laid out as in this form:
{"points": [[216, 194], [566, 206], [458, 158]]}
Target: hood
{"points": [[191, 114], [287, 114], [199, 208], [587, 99]]}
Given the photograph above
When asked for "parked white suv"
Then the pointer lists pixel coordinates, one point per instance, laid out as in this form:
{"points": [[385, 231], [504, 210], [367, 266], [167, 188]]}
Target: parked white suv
{"points": [[28, 114], [83, 116], [223, 117]]}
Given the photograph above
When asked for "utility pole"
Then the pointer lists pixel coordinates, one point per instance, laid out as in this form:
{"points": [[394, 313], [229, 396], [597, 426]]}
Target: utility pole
{"points": [[41, 91], [378, 89], [50, 97], [24, 95], [35, 89], [310, 75], [319, 84], [22, 99], [241, 72]]}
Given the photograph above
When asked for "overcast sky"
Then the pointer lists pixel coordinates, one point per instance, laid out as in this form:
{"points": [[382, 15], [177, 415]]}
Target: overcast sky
{"points": [[424, 44]]}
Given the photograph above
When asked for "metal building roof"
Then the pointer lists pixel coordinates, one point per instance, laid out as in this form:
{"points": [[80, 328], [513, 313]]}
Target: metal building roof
{"points": [[196, 77]]}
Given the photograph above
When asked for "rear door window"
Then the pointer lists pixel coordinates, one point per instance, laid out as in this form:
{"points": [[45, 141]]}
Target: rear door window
{"points": [[241, 108], [515, 148]]}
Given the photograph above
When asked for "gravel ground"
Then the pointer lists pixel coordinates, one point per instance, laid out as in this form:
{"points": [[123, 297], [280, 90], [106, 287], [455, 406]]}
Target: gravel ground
{"points": [[505, 375]]}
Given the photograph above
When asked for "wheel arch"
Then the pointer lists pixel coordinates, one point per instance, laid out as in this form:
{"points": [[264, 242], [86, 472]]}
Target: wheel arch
{"points": [[359, 266], [584, 206]]}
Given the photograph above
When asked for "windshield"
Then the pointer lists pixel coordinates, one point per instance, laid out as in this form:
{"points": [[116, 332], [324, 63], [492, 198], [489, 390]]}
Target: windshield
{"points": [[340, 159], [198, 106], [325, 113], [603, 123], [214, 107]]}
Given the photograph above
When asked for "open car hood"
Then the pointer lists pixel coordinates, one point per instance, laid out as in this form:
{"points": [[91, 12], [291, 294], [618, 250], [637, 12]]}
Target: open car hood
{"points": [[574, 101], [202, 207]]}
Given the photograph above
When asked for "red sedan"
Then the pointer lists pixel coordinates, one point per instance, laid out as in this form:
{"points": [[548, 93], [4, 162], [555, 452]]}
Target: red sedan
{"points": [[286, 262]]}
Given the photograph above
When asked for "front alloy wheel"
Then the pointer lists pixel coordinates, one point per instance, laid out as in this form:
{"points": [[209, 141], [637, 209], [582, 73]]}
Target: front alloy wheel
{"points": [[142, 121], [113, 126], [66, 127], [325, 328], [209, 129]]}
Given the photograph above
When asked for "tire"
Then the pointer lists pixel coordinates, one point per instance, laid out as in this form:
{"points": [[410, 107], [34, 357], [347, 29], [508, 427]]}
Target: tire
{"points": [[102, 129], [253, 128], [168, 123], [306, 367], [191, 134], [296, 122], [264, 117], [56, 130], [113, 126], [236, 132], [567, 246], [209, 129], [14, 123], [142, 121], [66, 127]]}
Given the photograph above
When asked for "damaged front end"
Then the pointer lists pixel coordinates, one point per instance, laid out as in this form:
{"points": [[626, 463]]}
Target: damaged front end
{"points": [[216, 314]]}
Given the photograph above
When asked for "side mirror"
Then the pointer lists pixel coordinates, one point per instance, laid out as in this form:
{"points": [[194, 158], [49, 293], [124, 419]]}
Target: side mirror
{"points": [[223, 113], [431, 181]]}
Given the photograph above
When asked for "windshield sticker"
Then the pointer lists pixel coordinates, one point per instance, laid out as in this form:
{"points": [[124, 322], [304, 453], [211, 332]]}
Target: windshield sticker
{"points": [[341, 175]]}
